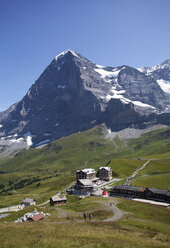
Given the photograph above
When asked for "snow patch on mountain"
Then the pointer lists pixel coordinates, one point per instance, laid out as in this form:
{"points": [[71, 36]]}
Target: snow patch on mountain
{"points": [[100, 66], [61, 86], [29, 140], [14, 144], [147, 70], [117, 94], [141, 104], [104, 73], [165, 85], [44, 142]]}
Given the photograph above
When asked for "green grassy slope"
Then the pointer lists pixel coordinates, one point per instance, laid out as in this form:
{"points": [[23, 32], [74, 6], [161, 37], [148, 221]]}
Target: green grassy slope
{"points": [[154, 144], [153, 220], [41, 173], [156, 174]]}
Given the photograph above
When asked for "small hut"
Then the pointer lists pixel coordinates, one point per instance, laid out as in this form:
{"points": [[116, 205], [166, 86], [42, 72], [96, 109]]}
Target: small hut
{"points": [[58, 200], [28, 202]]}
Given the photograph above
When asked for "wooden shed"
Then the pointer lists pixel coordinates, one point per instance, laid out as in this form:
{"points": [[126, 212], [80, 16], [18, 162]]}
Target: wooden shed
{"points": [[58, 200], [28, 202]]}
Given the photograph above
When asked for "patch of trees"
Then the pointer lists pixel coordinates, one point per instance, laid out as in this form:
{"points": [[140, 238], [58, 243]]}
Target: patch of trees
{"points": [[38, 184], [23, 183], [2, 186]]}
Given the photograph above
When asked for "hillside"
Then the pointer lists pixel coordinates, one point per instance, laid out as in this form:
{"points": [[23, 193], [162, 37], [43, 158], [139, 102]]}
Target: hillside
{"points": [[149, 225], [44, 171], [156, 174]]}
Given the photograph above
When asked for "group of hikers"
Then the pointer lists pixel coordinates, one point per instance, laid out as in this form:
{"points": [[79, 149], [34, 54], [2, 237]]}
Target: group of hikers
{"points": [[90, 215], [85, 216]]}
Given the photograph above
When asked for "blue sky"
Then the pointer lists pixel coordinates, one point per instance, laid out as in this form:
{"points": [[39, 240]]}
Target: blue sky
{"points": [[108, 32]]}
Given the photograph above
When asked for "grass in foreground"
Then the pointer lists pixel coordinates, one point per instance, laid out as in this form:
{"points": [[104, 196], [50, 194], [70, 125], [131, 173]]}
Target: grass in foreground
{"points": [[144, 226]]}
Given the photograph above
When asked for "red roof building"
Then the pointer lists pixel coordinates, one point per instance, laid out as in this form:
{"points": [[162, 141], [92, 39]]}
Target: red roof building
{"points": [[37, 217]]}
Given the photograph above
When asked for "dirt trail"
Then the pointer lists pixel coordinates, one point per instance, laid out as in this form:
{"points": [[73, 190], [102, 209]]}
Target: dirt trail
{"points": [[135, 173], [39, 205], [117, 215]]}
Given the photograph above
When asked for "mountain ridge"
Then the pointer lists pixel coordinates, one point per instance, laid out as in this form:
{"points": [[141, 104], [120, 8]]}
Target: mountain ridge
{"points": [[73, 94]]}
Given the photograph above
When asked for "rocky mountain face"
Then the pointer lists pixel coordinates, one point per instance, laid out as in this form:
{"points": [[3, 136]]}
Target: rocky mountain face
{"points": [[73, 94], [161, 73]]}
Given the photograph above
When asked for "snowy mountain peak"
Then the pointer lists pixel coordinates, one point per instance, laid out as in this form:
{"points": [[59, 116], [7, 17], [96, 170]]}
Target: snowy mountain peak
{"points": [[69, 51], [166, 63], [161, 73], [149, 70]]}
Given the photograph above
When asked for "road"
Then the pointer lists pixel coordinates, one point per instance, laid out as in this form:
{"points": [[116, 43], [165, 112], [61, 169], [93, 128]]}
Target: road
{"points": [[114, 180], [135, 173]]}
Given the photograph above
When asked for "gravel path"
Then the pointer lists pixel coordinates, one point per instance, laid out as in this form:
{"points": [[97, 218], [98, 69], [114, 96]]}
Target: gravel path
{"points": [[117, 215], [10, 209], [39, 205]]}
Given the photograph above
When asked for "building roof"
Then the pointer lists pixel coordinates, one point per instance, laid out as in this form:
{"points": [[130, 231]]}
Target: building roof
{"points": [[28, 200], [87, 171], [159, 191], [105, 192], [106, 168], [153, 190], [58, 198], [126, 187], [85, 182], [37, 217]]}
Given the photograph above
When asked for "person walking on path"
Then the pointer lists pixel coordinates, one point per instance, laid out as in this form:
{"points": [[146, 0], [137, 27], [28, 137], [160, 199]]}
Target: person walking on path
{"points": [[90, 216], [84, 215]]}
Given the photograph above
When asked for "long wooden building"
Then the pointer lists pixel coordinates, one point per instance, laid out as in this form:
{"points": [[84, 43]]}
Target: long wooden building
{"points": [[143, 193]]}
